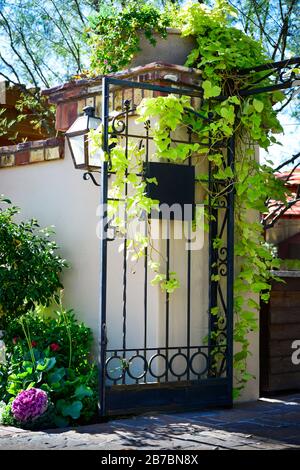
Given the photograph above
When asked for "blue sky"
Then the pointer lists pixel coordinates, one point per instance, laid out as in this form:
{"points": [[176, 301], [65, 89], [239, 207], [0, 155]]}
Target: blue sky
{"points": [[290, 142]]}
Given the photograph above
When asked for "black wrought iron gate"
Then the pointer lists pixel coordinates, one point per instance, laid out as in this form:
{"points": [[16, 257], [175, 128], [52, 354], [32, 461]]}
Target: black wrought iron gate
{"points": [[154, 351]]}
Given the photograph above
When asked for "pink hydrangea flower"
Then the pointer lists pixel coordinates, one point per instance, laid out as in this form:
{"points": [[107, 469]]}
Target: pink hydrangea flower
{"points": [[29, 404]]}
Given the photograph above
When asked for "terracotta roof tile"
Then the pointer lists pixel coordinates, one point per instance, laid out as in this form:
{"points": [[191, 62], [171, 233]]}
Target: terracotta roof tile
{"points": [[293, 182], [294, 179]]}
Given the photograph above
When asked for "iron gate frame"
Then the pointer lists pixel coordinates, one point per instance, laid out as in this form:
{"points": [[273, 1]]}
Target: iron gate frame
{"points": [[206, 388], [212, 391]]}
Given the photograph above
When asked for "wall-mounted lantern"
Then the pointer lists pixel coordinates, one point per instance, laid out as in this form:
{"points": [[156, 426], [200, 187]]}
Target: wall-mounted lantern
{"points": [[84, 157]]}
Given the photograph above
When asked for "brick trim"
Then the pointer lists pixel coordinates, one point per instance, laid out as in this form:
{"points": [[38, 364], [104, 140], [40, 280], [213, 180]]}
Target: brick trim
{"points": [[32, 152], [153, 72]]}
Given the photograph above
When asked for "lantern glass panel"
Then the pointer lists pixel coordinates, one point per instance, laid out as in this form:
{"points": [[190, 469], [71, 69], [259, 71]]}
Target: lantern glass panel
{"points": [[80, 125], [94, 122], [77, 145], [95, 156]]}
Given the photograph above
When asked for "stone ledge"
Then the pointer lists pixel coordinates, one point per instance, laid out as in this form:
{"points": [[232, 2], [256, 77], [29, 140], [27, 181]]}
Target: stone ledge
{"points": [[70, 98], [144, 73], [32, 152]]}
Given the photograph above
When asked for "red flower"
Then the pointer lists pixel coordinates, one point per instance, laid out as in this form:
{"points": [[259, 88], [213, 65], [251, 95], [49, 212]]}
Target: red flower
{"points": [[33, 344], [15, 339], [54, 347]]}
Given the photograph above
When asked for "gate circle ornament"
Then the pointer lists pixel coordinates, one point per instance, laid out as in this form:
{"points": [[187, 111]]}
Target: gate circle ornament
{"points": [[150, 366], [145, 369], [179, 354], [205, 369], [110, 359]]}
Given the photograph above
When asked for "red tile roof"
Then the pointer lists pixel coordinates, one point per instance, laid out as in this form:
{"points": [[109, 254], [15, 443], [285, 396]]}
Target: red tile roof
{"points": [[292, 184], [293, 180]]}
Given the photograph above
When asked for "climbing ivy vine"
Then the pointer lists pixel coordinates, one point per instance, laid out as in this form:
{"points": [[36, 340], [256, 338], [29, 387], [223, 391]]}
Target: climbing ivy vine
{"points": [[221, 51]]}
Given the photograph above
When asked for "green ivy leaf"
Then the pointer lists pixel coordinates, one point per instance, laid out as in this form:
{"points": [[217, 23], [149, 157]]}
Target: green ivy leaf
{"points": [[224, 174], [257, 287], [57, 375], [227, 112], [83, 391], [47, 364], [215, 311], [210, 90], [240, 355], [258, 105], [71, 409], [236, 392]]}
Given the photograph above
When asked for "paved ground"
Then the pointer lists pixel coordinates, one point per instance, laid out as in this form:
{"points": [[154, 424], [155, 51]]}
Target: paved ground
{"points": [[266, 424]]}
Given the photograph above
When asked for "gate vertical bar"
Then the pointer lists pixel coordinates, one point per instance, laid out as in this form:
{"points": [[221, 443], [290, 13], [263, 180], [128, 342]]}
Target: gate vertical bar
{"points": [[212, 268], [167, 299], [103, 253], [230, 267], [189, 263], [147, 128], [124, 307]]}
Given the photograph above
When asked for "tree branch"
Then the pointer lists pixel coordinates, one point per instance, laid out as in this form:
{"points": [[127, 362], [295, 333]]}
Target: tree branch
{"points": [[9, 79], [8, 30], [77, 57], [13, 70], [83, 19], [281, 212], [287, 162], [36, 66], [259, 25], [71, 50]]}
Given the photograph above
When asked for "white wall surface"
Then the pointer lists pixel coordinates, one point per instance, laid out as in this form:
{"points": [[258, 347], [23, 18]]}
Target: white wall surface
{"points": [[55, 193]]}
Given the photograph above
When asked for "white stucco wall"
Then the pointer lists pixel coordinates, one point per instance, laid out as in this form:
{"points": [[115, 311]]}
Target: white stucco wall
{"points": [[56, 194]]}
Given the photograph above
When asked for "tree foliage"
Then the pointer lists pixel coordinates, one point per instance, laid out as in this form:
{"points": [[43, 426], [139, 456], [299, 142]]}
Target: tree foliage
{"points": [[42, 41], [113, 34], [276, 24]]}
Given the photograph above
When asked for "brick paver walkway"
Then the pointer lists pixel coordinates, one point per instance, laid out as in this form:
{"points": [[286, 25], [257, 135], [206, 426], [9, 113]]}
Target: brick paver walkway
{"points": [[266, 424]]}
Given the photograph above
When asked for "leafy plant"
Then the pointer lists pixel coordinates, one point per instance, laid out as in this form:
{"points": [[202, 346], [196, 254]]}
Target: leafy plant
{"points": [[29, 265], [61, 333], [34, 107], [113, 34]]}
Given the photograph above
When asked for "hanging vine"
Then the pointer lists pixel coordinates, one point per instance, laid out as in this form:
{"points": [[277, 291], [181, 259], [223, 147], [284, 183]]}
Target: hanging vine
{"points": [[222, 50]]}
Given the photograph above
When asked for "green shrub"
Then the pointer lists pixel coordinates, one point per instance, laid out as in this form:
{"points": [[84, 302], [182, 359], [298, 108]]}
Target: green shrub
{"points": [[70, 340], [29, 265], [113, 34]]}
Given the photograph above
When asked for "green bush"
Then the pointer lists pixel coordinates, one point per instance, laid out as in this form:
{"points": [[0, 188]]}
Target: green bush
{"points": [[53, 354], [113, 34], [29, 265]]}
